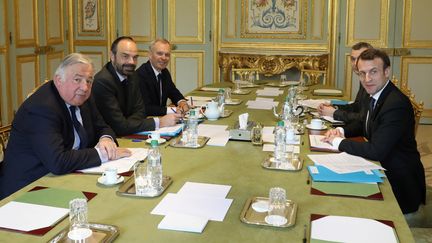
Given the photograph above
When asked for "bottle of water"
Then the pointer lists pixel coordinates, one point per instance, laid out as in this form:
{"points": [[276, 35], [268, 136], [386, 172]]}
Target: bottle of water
{"points": [[192, 129], [154, 167], [280, 144]]}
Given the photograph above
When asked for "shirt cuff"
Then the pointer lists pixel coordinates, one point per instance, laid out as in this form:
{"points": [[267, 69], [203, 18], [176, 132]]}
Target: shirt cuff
{"points": [[156, 120], [336, 142], [341, 130], [101, 156]]}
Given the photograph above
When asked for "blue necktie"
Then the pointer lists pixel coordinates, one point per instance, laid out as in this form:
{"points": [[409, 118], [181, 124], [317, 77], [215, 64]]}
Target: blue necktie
{"points": [[370, 111], [79, 128]]}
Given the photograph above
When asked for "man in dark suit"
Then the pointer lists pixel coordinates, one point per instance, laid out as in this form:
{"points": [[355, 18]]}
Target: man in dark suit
{"points": [[58, 129], [389, 129], [353, 111], [155, 81], [117, 95]]}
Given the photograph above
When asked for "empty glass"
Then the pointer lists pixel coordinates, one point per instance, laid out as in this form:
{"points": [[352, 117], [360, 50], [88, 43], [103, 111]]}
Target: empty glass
{"points": [[79, 228], [141, 179], [277, 207]]}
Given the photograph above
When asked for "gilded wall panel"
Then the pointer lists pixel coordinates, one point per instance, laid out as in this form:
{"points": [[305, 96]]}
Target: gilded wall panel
{"points": [[26, 25], [27, 75], [53, 61], [317, 19], [417, 20], [54, 22], [231, 20], [187, 70], [186, 21], [371, 27], [139, 19], [416, 75], [98, 59]]}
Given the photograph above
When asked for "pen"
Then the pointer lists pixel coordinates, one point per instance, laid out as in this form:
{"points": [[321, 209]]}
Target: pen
{"points": [[304, 234], [191, 102], [173, 110]]}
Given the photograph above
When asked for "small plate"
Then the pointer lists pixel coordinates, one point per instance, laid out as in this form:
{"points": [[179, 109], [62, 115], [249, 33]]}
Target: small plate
{"points": [[275, 220], [101, 180], [308, 126], [160, 140], [260, 206]]}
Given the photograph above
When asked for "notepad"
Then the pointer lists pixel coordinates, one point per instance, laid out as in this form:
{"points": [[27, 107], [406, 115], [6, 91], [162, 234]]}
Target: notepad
{"points": [[360, 190]]}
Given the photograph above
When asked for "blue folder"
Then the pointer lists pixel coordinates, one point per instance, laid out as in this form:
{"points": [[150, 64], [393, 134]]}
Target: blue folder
{"points": [[163, 133], [338, 102], [324, 174]]}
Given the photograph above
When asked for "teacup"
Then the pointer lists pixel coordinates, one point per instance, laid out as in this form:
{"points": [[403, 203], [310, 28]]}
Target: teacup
{"points": [[110, 175], [316, 123], [154, 136]]}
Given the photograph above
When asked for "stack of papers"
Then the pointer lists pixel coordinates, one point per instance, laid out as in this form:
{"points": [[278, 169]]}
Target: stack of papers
{"points": [[123, 165], [218, 134], [192, 207], [269, 92], [198, 100], [343, 167], [351, 229], [327, 118], [39, 210], [312, 103], [317, 144], [166, 131], [262, 103]]}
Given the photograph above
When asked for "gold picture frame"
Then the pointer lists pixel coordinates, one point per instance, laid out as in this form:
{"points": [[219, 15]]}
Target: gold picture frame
{"points": [[274, 19], [89, 18]]}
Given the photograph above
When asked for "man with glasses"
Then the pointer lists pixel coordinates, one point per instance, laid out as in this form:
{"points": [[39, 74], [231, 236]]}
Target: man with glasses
{"points": [[389, 128], [156, 84], [118, 97], [58, 129], [353, 111]]}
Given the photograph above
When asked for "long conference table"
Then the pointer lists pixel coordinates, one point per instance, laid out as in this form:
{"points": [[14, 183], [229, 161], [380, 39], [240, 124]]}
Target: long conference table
{"points": [[237, 164]]}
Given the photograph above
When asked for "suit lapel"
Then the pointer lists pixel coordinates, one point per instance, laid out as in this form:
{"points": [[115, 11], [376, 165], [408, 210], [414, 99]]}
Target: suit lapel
{"points": [[379, 104]]}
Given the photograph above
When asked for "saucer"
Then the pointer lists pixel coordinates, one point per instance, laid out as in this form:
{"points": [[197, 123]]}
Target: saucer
{"points": [[160, 140], [313, 128], [101, 180], [275, 220], [260, 206], [79, 234]]}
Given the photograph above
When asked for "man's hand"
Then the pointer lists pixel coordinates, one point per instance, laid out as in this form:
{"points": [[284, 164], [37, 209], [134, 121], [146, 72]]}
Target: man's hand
{"points": [[169, 120], [182, 107], [326, 110], [331, 134], [107, 147], [122, 152]]}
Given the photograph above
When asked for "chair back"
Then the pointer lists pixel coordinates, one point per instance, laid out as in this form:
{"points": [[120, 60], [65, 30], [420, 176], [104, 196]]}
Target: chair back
{"points": [[244, 74], [417, 106], [312, 77], [36, 88], [4, 138]]}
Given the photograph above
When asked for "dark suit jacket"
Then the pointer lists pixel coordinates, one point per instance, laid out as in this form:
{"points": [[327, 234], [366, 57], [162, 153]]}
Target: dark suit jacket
{"points": [[391, 140], [150, 89], [42, 137], [125, 113], [355, 110]]}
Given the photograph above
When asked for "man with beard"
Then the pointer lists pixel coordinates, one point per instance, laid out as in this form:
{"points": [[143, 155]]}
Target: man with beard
{"points": [[156, 83], [117, 95]]}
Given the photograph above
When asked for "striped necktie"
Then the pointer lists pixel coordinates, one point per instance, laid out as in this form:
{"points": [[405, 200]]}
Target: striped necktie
{"points": [[82, 134]]}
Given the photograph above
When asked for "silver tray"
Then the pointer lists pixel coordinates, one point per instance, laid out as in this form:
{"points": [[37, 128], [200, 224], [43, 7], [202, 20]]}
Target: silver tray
{"points": [[250, 216], [279, 84], [226, 113], [128, 188], [249, 85], [178, 143], [234, 102], [101, 233], [241, 92], [268, 164]]}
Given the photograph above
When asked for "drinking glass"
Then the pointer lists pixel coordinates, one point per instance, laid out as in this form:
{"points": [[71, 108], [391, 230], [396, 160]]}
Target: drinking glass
{"points": [[277, 207], [141, 179], [79, 228]]}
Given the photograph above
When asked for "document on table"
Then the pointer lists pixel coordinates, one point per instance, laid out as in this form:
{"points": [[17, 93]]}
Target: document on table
{"points": [[218, 134], [269, 92], [313, 103], [198, 100], [327, 118], [344, 163], [166, 131], [122, 165], [211, 89], [270, 148], [261, 104], [205, 189], [316, 142], [351, 229]]}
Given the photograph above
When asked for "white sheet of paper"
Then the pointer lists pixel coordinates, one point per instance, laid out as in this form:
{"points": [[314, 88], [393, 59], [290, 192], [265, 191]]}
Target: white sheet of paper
{"points": [[270, 148], [199, 100], [220, 139], [269, 92], [27, 216], [205, 189], [211, 208], [211, 89], [122, 165], [218, 134], [261, 105], [315, 141], [182, 222], [313, 103], [351, 229], [343, 162]]}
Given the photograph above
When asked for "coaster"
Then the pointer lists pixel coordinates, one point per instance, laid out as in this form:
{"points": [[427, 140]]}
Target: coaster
{"points": [[79, 234], [275, 220], [260, 206]]}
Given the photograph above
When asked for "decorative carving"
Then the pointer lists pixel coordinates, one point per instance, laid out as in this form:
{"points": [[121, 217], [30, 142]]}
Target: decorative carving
{"points": [[270, 65]]}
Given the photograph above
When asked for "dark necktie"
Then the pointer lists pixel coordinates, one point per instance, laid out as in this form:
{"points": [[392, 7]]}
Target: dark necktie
{"points": [[79, 128], [370, 111], [159, 79], [125, 83]]}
